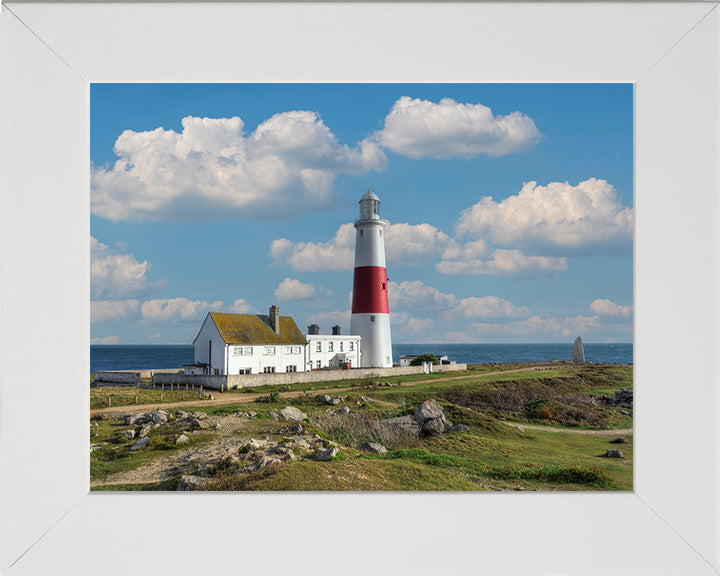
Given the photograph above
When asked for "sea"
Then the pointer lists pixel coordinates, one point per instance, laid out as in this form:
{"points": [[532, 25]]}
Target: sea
{"points": [[129, 357]]}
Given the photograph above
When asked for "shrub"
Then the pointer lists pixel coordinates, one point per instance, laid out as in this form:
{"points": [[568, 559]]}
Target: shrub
{"points": [[356, 429], [418, 360]]}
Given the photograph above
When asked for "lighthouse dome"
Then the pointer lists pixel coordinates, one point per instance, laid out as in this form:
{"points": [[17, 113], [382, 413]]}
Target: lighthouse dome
{"points": [[369, 195], [369, 206]]}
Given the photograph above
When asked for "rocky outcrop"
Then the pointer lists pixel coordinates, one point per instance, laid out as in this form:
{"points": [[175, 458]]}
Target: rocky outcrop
{"points": [[373, 448], [614, 453], [458, 428], [140, 443], [431, 418], [191, 483], [292, 414], [326, 454]]}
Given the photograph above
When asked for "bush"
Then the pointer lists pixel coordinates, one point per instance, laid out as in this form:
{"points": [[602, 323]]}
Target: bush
{"points": [[418, 360], [356, 429]]}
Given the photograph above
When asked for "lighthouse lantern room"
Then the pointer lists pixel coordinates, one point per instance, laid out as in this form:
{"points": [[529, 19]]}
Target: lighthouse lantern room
{"points": [[370, 312]]}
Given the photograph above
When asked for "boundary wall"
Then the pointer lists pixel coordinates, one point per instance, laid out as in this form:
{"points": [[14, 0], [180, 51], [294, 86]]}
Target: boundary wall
{"points": [[234, 381]]}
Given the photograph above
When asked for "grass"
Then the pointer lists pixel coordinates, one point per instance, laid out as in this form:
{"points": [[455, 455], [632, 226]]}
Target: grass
{"points": [[491, 455], [128, 396]]}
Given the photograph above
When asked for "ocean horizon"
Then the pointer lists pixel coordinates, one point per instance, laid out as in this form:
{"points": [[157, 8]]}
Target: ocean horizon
{"points": [[164, 356]]}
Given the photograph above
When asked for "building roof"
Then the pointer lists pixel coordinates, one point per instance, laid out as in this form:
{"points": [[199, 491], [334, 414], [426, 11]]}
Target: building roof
{"points": [[369, 195], [255, 329]]}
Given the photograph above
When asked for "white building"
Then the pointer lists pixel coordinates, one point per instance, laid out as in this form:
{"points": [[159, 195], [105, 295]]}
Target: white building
{"points": [[332, 350], [248, 344], [370, 313]]}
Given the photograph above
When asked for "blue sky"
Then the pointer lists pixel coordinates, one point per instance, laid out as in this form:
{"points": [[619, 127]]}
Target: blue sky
{"points": [[510, 207]]}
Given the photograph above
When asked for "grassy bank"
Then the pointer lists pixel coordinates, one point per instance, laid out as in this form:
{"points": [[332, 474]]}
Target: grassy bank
{"points": [[491, 455]]}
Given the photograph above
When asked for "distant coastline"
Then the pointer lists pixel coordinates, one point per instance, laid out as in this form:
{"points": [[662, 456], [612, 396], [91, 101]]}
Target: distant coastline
{"points": [[129, 356]]}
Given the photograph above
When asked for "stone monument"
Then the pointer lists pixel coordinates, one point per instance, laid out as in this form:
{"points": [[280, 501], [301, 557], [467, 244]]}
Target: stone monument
{"points": [[578, 354]]}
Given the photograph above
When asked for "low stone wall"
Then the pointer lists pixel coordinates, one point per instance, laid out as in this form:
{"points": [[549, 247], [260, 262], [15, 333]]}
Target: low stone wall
{"points": [[122, 378], [144, 372], [252, 380], [206, 381]]}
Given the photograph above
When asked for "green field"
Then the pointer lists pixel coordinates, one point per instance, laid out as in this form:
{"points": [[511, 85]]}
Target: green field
{"points": [[492, 455]]}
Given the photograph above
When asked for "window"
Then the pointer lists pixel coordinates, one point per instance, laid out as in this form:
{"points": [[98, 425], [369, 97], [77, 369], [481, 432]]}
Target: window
{"points": [[383, 285], [361, 232], [318, 346], [290, 368], [244, 371], [216, 371], [288, 349], [297, 350], [372, 319], [318, 365], [269, 350], [380, 232], [331, 347], [269, 370], [247, 351], [352, 346], [341, 346]]}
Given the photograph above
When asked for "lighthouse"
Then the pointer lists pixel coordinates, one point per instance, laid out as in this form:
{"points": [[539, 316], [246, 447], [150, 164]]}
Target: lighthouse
{"points": [[370, 313]]}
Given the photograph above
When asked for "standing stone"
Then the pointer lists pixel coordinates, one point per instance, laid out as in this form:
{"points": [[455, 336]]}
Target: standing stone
{"points": [[578, 354]]}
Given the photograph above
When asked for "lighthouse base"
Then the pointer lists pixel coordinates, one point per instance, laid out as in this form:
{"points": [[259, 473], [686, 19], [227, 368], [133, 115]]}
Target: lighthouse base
{"points": [[375, 343]]}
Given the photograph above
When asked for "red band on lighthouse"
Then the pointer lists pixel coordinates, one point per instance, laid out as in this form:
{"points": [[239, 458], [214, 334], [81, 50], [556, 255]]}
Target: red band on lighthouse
{"points": [[370, 290]]}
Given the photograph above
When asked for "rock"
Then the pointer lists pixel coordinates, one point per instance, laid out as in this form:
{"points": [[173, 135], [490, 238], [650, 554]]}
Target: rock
{"points": [[325, 398], [190, 483], [292, 414], [215, 426], [366, 400], [433, 427], [199, 415], [619, 440], [459, 428], [428, 410], [129, 434], [252, 444], [344, 410], [133, 419], [373, 448], [94, 447], [264, 462], [325, 455], [294, 429], [146, 428], [252, 414], [578, 354], [614, 453], [273, 415], [140, 443], [181, 414], [159, 417], [181, 439], [334, 401], [202, 424], [285, 452]]}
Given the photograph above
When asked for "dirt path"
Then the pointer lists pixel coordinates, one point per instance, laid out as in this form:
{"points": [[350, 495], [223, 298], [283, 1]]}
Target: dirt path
{"points": [[522, 427], [240, 397]]}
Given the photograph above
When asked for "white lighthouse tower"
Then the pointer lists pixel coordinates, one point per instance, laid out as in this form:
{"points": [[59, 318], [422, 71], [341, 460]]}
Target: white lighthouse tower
{"points": [[370, 312]]}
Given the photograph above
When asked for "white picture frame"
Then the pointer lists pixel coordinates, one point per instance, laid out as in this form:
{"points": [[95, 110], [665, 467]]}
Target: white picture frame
{"points": [[51, 524]]}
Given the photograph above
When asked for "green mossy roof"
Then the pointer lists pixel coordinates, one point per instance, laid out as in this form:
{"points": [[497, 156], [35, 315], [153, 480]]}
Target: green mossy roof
{"points": [[255, 329]]}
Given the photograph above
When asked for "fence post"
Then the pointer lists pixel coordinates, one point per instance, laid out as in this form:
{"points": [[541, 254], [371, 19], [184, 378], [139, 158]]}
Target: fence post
{"points": [[136, 399], [109, 400]]}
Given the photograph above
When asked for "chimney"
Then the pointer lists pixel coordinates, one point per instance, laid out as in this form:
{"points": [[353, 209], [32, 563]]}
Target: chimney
{"points": [[313, 329], [275, 318], [336, 330]]}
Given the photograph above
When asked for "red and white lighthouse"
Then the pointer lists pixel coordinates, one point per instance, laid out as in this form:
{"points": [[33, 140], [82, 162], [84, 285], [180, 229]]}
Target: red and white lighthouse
{"points": [[370, 312]]}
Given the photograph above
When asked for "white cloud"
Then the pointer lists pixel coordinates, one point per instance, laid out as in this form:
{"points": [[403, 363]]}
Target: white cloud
{"points": [[212, 169], [417, 325], [327, 319], [505, 262], [605, 307], [414, 244], [117, 275], [558, 217], [489, 307], [535, 325], [105, 340], [177, 309], [417, 296], [337, 254], [291, 289], [113, 310], [422, 129], [241, 306], [405, 245]]}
